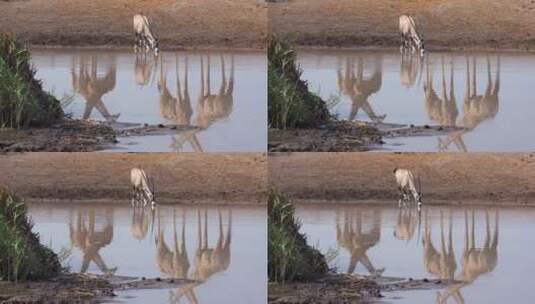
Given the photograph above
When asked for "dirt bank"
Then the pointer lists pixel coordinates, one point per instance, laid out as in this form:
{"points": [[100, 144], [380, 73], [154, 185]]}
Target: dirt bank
{"points": [[345, 288], [346, 136], [68, 288], [450, 178], [179, 178], [187, 23], [445, 24], [65, 136]]}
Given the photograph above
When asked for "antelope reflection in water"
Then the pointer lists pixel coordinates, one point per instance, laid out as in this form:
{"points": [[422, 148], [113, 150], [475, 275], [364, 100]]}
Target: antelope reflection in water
{"points": [[359, 89], [357, 239], [87, 83], [214, 107], [140, 222], [411, 67], [208, 261], [145, 66], [407, 222], [475, 261], [178, 109], [210, 107], [90, 233], [476, 108]]}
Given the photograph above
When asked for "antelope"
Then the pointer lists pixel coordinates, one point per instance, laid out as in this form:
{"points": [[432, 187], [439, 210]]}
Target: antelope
{"points": [[406, 186], [476, 108], [360, 89], [143, 33], [410, 38], [92, 88], [178, 109], [88, 235], [141, 191], [440, 263], [357, 240], [213, 107], [209, 261], [441, 110], [475, 261]]}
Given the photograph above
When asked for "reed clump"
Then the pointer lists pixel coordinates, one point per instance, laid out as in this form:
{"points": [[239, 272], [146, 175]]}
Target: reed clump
{"points": [[290, 258], [290, 103], [23, 102], [22, 256]]}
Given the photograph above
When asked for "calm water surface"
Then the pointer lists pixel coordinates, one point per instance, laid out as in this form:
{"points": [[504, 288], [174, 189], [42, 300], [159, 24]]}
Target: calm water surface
{"points": [[491, 95], [223, 249], [488, 250], [218, 99]]}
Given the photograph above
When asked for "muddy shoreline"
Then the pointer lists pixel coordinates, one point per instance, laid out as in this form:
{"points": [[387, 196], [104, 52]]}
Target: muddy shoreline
{"points": [[80, 288], [347, 136], [220, 178], [346, 288], [67, 135], [447, 178]]}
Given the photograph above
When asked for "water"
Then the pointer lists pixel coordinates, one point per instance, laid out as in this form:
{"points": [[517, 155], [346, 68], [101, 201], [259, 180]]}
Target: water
{"points": [[494, 264], [230, 267], [381, 87], [121, 87]]}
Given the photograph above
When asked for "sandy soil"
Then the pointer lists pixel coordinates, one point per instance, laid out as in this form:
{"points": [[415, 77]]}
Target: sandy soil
{"points": [[186, 23], [449, 178], [179, 178], [445, 24]]}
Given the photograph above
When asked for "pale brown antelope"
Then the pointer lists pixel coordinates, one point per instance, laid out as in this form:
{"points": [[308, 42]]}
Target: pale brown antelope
{"points": [[174, 261], [358, 88], [90, 236], [476, 108], [442, 110], [357, 238], [214, 107], [92, 87], [209, 261], [178, 109], [439, 262], [145, 39], [410, 38], [475, 261], [407, 187], [143, 189]]}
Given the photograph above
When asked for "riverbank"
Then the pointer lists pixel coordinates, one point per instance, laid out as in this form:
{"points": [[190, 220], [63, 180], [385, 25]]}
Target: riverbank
{"points": [[447, 178], [185, 24], [445, 24], [179, 178]]}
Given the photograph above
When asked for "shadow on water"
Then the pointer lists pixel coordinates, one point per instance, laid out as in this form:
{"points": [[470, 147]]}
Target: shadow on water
{"points": [[207, 120], [493, 111], [451, 244]]}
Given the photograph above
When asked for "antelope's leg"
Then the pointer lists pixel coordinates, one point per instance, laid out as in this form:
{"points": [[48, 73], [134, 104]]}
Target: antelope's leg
{"points": [[402, 197], [133, 195]]}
